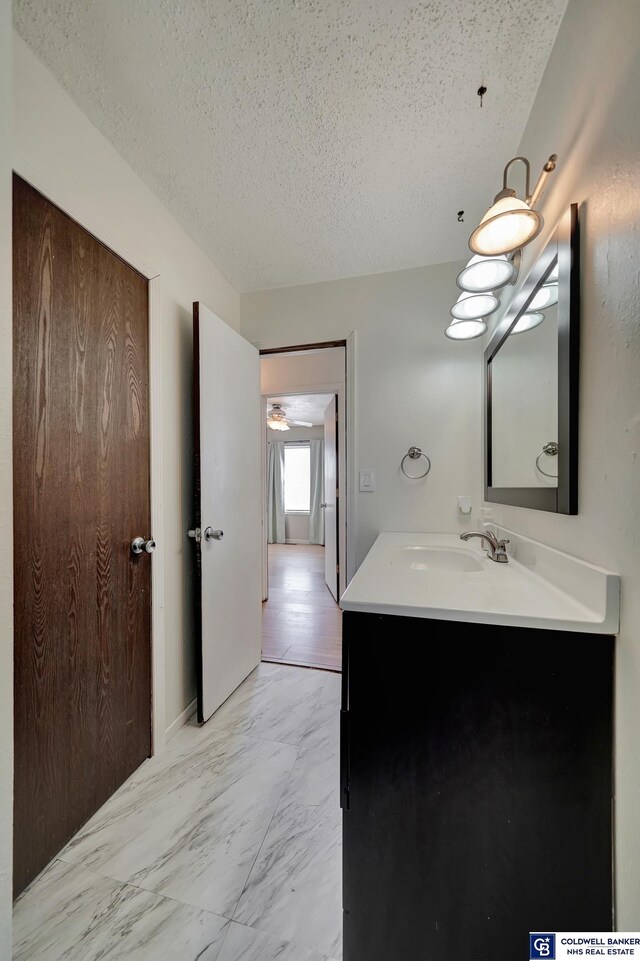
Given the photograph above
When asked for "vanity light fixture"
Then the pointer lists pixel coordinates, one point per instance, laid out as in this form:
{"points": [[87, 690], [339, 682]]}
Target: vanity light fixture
{"points": [[276, 419], [533, 318], [465, 329], [470, 306], [484, 274], [511, 223], [547, 296]]}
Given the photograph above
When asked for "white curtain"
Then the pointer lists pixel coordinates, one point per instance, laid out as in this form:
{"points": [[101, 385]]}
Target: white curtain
{"points": [[275, 493], [316, 512]]}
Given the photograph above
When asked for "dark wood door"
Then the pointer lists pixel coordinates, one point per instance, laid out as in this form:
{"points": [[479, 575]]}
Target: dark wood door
{"points": [[81, 493]]}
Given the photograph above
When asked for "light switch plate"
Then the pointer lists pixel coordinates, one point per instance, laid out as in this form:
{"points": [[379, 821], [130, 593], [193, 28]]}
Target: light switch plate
{"points": [[367, 481]]}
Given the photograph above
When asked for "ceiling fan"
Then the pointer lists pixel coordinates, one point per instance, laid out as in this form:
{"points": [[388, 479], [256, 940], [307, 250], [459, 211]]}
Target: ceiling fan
{"points": [[277, 419]]}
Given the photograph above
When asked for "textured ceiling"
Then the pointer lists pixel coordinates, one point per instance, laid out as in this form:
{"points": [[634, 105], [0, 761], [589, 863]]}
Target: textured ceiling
{"points": [[307, 407], [304, 140]]}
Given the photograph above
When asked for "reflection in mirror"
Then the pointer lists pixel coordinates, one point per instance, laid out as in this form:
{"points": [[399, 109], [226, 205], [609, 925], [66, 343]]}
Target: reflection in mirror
{"points": [[531, 400], [524, 407]]}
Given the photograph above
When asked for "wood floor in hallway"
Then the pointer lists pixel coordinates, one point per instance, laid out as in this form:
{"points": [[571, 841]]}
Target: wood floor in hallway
{"points": [[301, 622]]}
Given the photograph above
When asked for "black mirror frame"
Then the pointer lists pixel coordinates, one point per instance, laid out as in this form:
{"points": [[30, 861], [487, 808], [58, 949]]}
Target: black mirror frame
{"points": [[562, 499]]}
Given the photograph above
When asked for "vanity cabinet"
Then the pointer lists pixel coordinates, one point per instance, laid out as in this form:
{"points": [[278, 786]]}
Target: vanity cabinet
{"points": [[476, 785]]}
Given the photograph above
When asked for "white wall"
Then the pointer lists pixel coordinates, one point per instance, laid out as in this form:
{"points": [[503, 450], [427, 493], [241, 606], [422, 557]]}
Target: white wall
{"points": [[412, 386], [298, 370], [6, 491], [55, 141], [587, 110], [296, 528], [297, 433]]}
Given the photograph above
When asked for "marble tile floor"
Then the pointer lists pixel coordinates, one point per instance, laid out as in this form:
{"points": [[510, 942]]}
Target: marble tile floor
{"points": [[225, 848]]}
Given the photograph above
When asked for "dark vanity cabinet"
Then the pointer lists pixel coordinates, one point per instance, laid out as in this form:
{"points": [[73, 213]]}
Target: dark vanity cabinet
{"points": [[476, 767]]}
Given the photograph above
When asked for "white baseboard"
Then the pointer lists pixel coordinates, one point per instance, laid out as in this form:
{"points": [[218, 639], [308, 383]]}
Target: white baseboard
{"points": [[180, 721]]}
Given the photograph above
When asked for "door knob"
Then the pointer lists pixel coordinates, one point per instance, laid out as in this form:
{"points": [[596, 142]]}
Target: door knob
{"points": [[141, 546], [210, 534]]}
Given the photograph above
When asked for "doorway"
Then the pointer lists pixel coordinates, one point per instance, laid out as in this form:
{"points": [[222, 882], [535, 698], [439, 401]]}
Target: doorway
{"points": [[81, 495], [304, 513]]}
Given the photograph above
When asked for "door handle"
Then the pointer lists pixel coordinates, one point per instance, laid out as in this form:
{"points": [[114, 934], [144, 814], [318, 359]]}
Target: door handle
{"points": [[323, 506], [141, 546], [210, 534]]}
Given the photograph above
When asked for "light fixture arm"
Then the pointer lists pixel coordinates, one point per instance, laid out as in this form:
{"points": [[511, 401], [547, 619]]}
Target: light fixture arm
{"points": [[516, 260], [530, 198], [508, 191], [548, 168]]}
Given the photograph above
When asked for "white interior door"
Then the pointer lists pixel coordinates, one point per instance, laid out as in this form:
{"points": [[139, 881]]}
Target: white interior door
{"points": [[331, 496], [227, 438]]}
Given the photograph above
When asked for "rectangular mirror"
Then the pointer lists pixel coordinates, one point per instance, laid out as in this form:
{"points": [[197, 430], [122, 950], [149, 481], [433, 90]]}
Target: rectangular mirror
{"points": [[531, 401]]}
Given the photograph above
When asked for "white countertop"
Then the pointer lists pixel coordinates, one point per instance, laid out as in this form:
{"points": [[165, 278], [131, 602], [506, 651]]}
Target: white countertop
{"points": [[540, 587]]}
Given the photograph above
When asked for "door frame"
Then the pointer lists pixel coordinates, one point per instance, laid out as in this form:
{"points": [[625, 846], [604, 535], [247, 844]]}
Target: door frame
{"points": [[88, 219], [347, 425]]}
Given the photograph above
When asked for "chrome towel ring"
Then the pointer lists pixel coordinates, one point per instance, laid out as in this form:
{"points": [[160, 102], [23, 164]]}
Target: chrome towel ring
{"points": [[415, 453], [551, 450]]}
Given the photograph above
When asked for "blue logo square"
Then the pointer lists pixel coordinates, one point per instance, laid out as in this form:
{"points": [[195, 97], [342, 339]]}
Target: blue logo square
{"points": [[542, 946]]}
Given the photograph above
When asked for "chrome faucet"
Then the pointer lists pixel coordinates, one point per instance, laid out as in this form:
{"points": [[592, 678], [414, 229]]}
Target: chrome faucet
{"points": [[497, 550]]}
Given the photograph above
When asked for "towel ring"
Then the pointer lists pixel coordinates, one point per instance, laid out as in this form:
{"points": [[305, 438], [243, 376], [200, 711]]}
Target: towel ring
{"points": [[551, 449], [415, 453]]}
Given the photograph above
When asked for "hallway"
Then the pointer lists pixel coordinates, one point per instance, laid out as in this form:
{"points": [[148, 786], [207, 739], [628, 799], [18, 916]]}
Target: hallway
{"points": [[225, 848], [301, 622]]}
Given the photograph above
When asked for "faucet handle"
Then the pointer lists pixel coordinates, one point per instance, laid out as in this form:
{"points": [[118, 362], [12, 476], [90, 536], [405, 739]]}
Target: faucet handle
{"points": [[500, 553]]}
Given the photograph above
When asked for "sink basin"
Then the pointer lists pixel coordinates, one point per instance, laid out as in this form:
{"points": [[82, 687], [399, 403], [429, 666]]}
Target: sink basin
{"points": [[420, 558], [436, 575]]}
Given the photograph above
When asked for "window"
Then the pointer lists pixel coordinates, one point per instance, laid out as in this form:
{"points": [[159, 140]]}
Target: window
{"points": [[297, 477]]}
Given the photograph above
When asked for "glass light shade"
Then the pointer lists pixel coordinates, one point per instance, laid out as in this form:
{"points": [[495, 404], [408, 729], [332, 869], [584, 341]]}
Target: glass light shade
{"points": [[465, 329], [547, 296], [474, 306], [528, 321], [484, 274], [507, 226], [277, 422]]}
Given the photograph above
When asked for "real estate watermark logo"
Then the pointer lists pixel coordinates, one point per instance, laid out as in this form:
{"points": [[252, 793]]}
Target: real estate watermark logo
{"points": [[542, 946]]}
